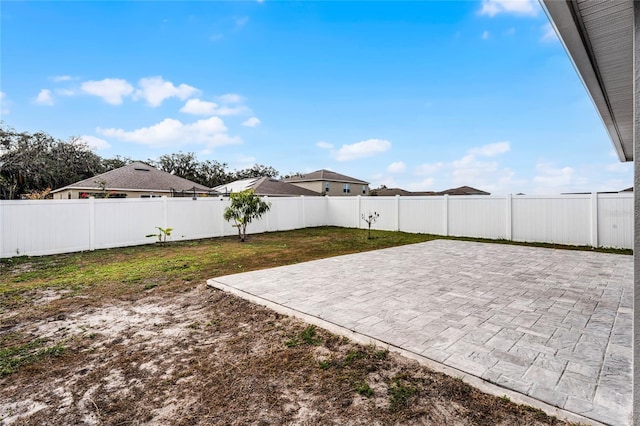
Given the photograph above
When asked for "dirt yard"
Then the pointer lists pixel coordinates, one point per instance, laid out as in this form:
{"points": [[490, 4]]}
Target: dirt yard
{"points": [[175, 352]]}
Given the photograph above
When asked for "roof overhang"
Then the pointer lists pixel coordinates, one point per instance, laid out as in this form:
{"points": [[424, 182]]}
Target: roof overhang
{"points": [[598, 36]]}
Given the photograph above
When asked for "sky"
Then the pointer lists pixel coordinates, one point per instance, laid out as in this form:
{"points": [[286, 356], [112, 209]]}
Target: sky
{"points": [[421, 95]]}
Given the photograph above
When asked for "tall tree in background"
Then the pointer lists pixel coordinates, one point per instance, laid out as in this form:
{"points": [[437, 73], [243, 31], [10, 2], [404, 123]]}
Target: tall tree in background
{"points": [[32, 162], [115, 163], [208, 173], [258, 170]]}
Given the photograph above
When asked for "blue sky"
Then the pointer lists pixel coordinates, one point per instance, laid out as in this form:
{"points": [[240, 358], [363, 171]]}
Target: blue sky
{"points": [[420, 95]]}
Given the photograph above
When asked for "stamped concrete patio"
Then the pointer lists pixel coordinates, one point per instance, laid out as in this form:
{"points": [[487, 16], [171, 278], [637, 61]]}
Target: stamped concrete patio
{"points": [[554, 325]]}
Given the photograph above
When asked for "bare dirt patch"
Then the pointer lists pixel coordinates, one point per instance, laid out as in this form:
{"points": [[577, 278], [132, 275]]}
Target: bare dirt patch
{"points": [[205, 357]]}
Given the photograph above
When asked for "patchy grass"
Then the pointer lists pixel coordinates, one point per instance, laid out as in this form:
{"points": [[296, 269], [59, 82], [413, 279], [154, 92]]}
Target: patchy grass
{"points": [[133, 334], [16, 353]]}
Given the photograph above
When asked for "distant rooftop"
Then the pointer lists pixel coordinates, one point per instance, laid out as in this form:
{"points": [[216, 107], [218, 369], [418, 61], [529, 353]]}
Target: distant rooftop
{"points": [[136, 176], [325, 175], [462, 190], [265, 186]]}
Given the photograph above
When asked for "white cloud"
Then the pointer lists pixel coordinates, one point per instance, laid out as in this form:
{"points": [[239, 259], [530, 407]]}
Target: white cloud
{"points": [[251, 122], [471, 169], [619, 167], [44, 98], [111, 90], [4, 107], [210, 132], [216, 37], [231, 98], [423, 185], [198, 107], [95, 143], [59, 78], [155, 90], [491, 150], [429, 169], [485, 35], [324, 145], [511, 31], [241, 21], [396, 167], [236, 110], [65, 92], [549, 176], [362, 149], [492, 8], [548, 33]]}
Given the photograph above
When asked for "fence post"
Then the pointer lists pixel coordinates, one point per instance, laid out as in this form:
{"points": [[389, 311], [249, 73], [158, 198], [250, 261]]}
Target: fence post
{"points": [[359, 211], [92, 223], [221, 198], [397, 213], [304, 221], [509, 219], [446, 215], [594, 219]]}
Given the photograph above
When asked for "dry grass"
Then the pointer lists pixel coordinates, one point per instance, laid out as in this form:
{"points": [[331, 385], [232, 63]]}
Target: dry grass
{"points": [[132, 335]]}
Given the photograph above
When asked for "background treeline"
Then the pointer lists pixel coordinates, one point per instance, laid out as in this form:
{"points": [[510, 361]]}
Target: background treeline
{"points": [[32, 162]]}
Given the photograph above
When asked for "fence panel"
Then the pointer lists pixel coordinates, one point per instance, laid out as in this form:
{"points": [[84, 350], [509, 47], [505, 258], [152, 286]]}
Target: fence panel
{"points": [[59, 226], [385, 206], [315, 211], [422, 215], [562, 219], [478, 217], [287, 214], [343, 211], [124, 222], [193, 219], [41, 227], [615, 220]]}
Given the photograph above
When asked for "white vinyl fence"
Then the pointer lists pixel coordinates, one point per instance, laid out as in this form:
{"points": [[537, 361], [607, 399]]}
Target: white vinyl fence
{"points": [[61, 226]]}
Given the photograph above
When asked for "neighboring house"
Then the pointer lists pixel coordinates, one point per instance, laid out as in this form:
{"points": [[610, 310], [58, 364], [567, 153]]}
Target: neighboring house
{"points": [[135, 180], [265, 186], [326, 182], [463, 190]]}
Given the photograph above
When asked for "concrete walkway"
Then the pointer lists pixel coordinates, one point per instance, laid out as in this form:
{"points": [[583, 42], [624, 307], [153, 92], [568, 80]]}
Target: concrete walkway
{"points": [[554, 325]]}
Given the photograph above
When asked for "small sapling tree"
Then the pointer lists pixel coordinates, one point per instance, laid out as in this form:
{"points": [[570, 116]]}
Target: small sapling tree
{"points": [[245, 207], [370, 219], [162, 234]]}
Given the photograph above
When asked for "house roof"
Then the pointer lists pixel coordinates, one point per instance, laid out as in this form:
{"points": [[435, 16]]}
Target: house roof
{"points": [[325, 175], [598, 36], [136, 176], [463, 190], [266, 186]]}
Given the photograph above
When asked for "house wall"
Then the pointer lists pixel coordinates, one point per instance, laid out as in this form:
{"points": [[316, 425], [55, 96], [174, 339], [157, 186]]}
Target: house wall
{"points": [[41, 227], [74, 194], [336, 189]]}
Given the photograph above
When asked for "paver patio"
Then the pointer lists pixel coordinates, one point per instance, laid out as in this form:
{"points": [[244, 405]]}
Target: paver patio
{"points": [[555, 325]]}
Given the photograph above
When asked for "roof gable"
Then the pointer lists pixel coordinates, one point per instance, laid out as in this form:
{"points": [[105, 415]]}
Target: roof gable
{"points": [[325, 175]]}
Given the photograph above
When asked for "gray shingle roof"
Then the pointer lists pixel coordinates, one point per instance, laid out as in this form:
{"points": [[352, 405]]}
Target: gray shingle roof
{"points": [[325, 175], [136, 176], [463, 190], [267, 186]]}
